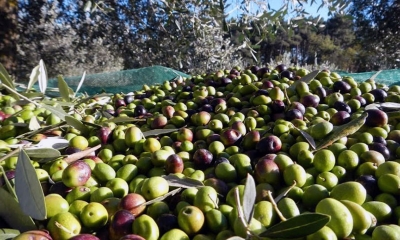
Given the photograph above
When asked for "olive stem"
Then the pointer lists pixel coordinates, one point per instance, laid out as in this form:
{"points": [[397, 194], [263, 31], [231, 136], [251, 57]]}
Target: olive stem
{"points": [[63, 228], [275, 206], [286, 96], [9, 154]]}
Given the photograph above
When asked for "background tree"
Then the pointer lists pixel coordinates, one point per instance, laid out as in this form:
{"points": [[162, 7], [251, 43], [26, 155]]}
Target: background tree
{"points": [[8, 34]]}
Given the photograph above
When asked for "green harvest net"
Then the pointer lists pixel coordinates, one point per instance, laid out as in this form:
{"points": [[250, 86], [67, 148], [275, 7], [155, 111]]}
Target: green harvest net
{"points": [[122, 81], [131, 80]]}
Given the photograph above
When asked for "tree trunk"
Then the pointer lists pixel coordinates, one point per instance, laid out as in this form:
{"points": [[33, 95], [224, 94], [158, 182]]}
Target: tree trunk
{"points": [[9, 34]]}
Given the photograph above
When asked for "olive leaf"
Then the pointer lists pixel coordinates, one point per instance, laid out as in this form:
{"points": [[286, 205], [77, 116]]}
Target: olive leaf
{"points": [[307, 78], [298, 226], [75, 123], [80, 83], [43, 129], [33, 78], [34, 124], [42, 78], [6, 80], [175, 181], [28, 188], [59, 103], [157, 132], [59, 112], [249, 198], [171, 193], [170, 102], [375, 75], [76, 156], [42, 152], [124, 119], [343, 131], [11, 212], [308, 138], [63, 88], [7, 233], [393, 115]]}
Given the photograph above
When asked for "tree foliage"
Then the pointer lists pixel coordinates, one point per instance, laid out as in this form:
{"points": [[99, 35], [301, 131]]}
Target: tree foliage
{"points": [[194, 35]]}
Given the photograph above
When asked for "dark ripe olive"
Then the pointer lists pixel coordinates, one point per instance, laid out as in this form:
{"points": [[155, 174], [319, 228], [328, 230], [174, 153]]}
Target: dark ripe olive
{"points": [[281, 67], [140, 110], [214, 102], [169, 97], [225, 81], [376, 118], [166, 222], [71, 150], [287, 74], [340, 118], [342, 106], [379, 94], [299, 106], [379, 139], [261, 92], [321, 92], [84, 236], [267, 84], [277, 106], [341, 86], [269, 144], [362, 100], [203, 158], [370, 184], [263, 71], [218, 184], [254, 69], [207, 108], [110, 111], [379, 147], [60, 188], [219, 160], [128, 99], [292, 114], [10, 174], [119, 103], [186, 88], [310, 101]]}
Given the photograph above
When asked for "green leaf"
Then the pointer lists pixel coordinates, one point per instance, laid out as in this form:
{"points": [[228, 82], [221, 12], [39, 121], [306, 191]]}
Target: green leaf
{"points": [[6, 80], [307, 78], [298, 226], [32, 95], [249, 198], [175, 181], [76, 123], [28, 188], [56, 111], [343, 131], [80, 83], [308, 138], [33, 78], [42, 78], [63, 88], [34, 124], [7, 233], [124, 119], [159, 199], [42, 152], [157, 132], [11, 212]]}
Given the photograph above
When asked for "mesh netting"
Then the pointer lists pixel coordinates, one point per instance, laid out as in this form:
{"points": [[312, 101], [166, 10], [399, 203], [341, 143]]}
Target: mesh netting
{"points": [[121, 81], [388, 77], [131, 80]]}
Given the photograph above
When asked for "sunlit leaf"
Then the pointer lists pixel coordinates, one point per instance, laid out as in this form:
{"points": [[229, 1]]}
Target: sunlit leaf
{"points": [[56, 111], [175, 181], [157, 132], [88, 6], [307, 78], [34, 124], [375, 75], [75, 123], [42, 78], [171, 193], [6, 80], [236, 238], [33, 78], [80, 83], [42, 152], [53, 142], [298, 226], [28, 188], [249, 198], [343, 131], [11, 212], [7, 233], [63, 88]]}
